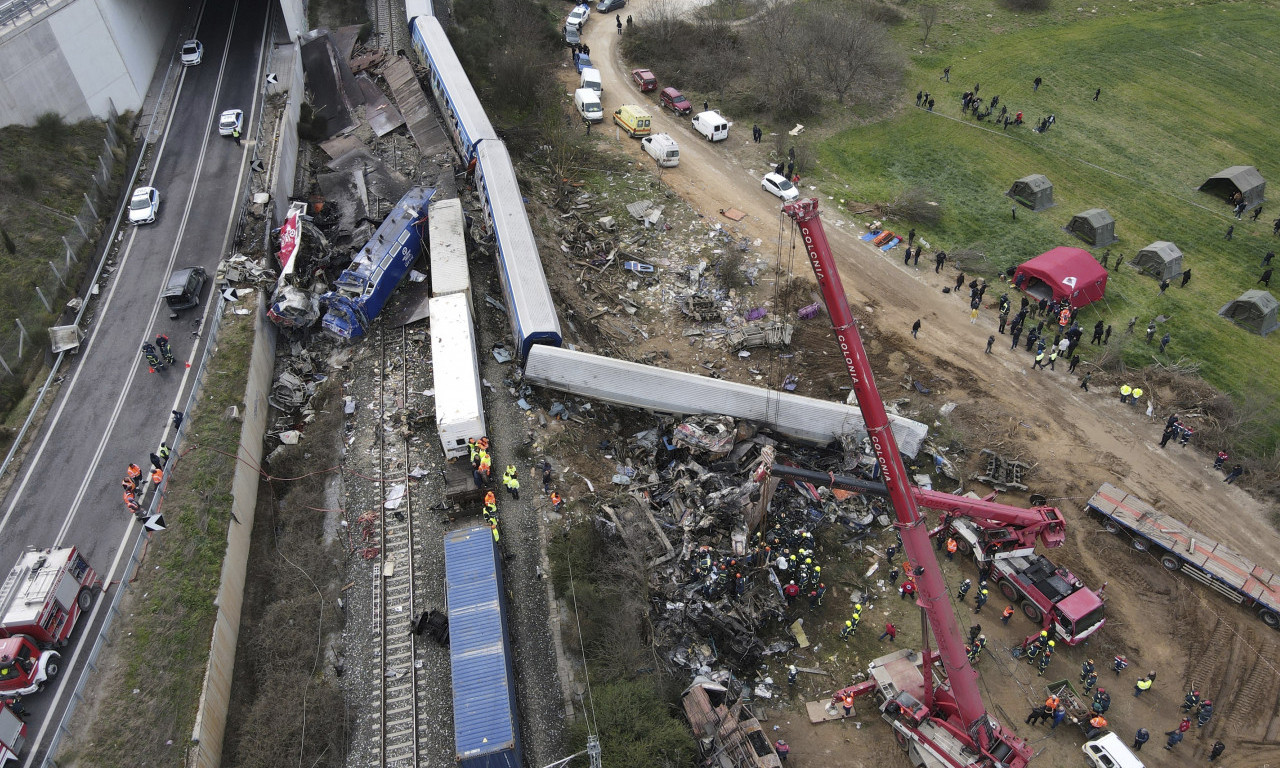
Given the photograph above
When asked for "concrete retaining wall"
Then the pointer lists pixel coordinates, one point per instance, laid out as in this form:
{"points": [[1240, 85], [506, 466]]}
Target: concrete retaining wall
{"points": [[211, 718], [285, 162], [80, 56]]}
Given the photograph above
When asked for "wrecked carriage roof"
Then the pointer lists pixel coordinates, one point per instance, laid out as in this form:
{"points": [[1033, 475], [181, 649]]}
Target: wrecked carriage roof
{"points": [[635, 385]]}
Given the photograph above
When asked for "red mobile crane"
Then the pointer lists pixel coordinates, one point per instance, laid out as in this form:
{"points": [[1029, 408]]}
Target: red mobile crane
{"points": [[946, 721], [1001, 539]]}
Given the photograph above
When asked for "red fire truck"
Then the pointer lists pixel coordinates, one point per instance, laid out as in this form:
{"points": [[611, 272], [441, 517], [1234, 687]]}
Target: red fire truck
{"points": [[40, 600]]}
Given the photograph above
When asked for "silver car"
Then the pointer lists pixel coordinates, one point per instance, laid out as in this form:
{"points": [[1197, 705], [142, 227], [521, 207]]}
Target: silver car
{"points": [[143, 205], [192, 53]]}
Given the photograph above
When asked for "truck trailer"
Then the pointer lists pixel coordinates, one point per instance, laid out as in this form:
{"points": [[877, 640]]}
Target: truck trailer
{"points": [[486, 721], [1179, 548]]}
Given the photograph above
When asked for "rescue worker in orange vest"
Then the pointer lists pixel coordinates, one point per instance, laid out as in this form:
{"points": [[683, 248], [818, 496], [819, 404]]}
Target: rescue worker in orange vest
{"points": [[157, 475], [1096, 724], [847, 702], [556, 502], [1052, 702], [951, 548], [129, 485], [490, 500], [1006, 614], [134, 473]]}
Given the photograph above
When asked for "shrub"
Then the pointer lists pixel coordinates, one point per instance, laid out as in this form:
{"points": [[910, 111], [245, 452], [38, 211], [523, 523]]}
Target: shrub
{"points": [[51, 128], [1026, 5], [915, 204]]}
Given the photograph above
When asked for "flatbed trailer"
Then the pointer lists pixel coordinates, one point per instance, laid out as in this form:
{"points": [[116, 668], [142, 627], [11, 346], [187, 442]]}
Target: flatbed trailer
{"points": [[1180, 548]]}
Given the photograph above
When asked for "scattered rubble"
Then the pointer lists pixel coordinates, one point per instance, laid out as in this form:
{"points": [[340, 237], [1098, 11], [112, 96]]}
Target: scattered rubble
{"points": [[1002, 473]]}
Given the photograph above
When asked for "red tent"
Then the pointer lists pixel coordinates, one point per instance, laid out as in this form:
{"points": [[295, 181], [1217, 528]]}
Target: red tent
{"points": [[1063, 273]]}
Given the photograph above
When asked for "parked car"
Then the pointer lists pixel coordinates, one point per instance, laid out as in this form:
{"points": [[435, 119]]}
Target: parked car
{"points": [[581, 61], [143, 205], [230, 121], [777, 185], [192, 53], [183, 289], [675, 101], [579, 16], [605, 6], [645, 80], [571, 35]]}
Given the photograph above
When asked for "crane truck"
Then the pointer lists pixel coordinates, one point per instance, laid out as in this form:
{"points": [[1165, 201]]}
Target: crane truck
{"points": [[40, 601], [1001, 539], [938, 721]]}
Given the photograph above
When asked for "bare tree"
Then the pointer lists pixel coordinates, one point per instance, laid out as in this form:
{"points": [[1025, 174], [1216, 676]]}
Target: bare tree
{"points": [[928, 17], [850, 51]]}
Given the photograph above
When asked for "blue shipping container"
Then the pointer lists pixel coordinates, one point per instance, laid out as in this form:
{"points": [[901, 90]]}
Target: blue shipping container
{"points": [[486, 723]]}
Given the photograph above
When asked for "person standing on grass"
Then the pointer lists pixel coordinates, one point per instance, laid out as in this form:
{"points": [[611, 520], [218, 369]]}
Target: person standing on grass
{"points": [[1035, 84], [1096, 94]]}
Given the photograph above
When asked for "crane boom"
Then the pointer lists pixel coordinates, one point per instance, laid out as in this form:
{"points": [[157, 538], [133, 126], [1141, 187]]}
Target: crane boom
{"points": [[1024, 525], [985, 734]]}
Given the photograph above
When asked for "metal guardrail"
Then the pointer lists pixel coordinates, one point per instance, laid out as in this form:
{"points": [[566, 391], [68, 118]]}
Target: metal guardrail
{"points": [[126, 576], [15, 9]]}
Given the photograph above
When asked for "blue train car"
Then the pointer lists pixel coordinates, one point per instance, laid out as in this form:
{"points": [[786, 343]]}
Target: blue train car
{"points": [[364, 287], [460, 108], [486, 722], [524, 284]]}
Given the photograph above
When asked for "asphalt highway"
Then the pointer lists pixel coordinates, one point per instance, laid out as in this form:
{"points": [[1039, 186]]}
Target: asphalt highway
{"points": [[110, 410]]}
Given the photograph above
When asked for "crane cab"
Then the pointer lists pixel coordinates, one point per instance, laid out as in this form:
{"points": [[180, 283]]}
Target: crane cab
{"points": [[24, 667]]}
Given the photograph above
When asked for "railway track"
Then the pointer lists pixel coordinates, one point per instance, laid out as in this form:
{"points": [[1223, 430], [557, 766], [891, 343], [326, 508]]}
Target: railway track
{"points": [[393, 595], [390, 29]]}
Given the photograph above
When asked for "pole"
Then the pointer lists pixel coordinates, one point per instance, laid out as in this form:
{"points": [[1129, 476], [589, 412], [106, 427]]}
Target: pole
{"points": [[43, 300], [22, 336]]}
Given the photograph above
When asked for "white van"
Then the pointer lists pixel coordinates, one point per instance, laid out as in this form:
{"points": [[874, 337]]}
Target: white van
{"points": [[711, 125], [662, 148], [591, 79], [587, 102], [1110, 752]]}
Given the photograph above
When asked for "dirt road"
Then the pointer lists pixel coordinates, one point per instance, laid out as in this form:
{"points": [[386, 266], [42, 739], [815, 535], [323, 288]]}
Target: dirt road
{"points": [[1076, 439]]}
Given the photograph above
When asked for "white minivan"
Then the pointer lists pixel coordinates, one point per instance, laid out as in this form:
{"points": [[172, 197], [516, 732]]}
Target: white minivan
{"points": [[587, 103], [663, 149], [1110, 752], [591, 79], [711, 125]]}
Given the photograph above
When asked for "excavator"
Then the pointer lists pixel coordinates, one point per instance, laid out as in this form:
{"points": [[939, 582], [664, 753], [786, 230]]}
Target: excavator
{"points": [[938, 721]]}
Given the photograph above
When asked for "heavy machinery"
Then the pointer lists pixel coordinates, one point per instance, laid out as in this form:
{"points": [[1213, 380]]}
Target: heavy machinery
{"points": [[40, 601], [936, 721], [1001, 539]]}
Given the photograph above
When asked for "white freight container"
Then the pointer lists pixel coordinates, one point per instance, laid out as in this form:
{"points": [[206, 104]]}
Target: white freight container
{"points": [[459, 406], [448, 246]]}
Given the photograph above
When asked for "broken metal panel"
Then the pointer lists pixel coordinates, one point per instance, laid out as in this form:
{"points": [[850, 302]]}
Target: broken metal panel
{"points": [[728, 733], [1002, 473], [65, 338], [675, 392]]}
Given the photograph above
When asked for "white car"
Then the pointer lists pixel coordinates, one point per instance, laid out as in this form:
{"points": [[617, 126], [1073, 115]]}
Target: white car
{"points": [[777, 185], [230, 121], [192, 53], [579, 16], [143, 205]]}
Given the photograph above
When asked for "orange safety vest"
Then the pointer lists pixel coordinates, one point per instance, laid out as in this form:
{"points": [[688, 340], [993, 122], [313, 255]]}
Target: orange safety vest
{"points": [[489, 498], [848, 700], [156, 476], [1051, 702], [951, 546], [135, 471], [1098, 722], [1008, 611], [1064, 317], [555, 498]]}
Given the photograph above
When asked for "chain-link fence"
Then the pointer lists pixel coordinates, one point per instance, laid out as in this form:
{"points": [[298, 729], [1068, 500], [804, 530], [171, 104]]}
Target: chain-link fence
{"points": [[24, 339]]}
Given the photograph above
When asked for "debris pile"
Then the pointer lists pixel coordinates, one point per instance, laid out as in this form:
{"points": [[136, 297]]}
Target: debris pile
{"points": [[696, 490]]}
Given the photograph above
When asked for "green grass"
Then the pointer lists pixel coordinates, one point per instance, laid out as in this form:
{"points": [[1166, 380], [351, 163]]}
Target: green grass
{"points": [[166, 648], [1183, 96]]}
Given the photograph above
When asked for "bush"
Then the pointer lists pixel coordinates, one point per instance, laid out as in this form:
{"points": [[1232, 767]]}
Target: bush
{"points": [[51, 128], [1026, 5], [637, 726]]}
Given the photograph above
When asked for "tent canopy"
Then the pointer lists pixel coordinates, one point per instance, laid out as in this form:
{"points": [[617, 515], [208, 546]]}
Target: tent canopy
{"points": [[1095, 226], [1034, 191], [1162, 260], [1243, 179], [1063, 273], [1254, 310]]}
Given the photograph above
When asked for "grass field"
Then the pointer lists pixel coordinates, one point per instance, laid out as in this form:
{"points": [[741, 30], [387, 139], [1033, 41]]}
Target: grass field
{"points": [[1184, 95]]}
